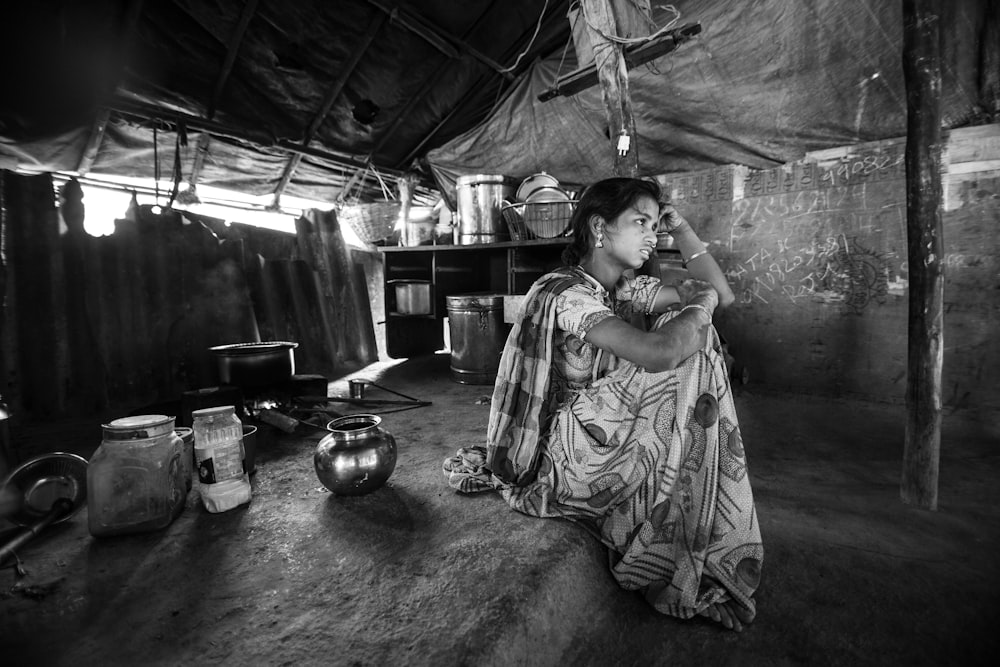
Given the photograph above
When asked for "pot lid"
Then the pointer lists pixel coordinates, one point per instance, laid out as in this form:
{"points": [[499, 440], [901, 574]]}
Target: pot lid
{"points": [[547, 195], [533, 182], [138, 427], [473, 179], [254, 348]]}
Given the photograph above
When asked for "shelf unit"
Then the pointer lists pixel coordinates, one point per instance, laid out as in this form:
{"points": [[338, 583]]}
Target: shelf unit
{"points": [[506, 267]]}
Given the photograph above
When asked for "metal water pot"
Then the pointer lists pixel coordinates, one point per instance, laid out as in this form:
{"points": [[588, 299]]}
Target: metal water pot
{"points": [[356, 457]]}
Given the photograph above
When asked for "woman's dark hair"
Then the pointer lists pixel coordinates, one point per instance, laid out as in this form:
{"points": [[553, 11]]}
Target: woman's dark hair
{"points": [[609, 199]]}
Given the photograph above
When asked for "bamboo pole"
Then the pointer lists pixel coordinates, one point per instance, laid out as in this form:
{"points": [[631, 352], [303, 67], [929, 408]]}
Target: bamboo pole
{"points": [[925, 252]]}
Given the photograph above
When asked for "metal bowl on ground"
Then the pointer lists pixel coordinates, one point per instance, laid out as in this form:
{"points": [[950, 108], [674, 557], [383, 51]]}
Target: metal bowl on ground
{"points": [[36, 485]]}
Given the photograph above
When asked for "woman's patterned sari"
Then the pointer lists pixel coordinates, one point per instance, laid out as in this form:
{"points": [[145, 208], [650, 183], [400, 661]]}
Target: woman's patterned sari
{"points": [[652, 463]]}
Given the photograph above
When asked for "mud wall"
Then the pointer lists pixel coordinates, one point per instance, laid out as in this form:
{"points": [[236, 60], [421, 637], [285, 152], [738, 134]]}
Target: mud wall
{"points": [[816, 253]]}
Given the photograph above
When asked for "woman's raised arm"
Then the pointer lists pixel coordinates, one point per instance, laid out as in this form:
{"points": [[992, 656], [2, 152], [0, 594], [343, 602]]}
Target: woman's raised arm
{"points": [[697, 260]]}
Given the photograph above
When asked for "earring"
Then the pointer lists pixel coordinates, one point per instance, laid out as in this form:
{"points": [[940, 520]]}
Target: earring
{"points": [[599, 243]]}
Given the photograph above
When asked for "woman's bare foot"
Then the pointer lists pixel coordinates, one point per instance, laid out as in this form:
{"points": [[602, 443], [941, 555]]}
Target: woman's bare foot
{"points": [[730, 614]]}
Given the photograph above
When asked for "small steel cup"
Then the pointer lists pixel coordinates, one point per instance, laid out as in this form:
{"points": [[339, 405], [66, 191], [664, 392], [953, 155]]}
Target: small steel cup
{"points": [[357, 388]]}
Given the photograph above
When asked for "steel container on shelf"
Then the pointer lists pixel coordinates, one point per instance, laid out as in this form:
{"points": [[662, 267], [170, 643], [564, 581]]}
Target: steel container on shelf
{"points": [[413, 297], [480, 197], [478, 334]]}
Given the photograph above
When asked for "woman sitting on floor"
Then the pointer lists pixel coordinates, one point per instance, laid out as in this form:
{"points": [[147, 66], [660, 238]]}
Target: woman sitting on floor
{"points": [[632, 433]]}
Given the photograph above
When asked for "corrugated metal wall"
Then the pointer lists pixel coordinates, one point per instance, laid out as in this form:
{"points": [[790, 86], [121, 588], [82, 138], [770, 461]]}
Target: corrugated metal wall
{"points": [[104, 325]]}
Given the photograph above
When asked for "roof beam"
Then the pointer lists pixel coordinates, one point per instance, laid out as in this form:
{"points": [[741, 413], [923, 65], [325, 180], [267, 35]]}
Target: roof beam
{"points": [[586, 77], [555, 14], [136, 109], [94, 142], [232, 48], [439, 39], [331, 96], [425, 87], [132, 12]]}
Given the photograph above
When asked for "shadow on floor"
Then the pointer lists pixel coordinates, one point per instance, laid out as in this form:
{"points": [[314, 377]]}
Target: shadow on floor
{"points": [[416, 574]]}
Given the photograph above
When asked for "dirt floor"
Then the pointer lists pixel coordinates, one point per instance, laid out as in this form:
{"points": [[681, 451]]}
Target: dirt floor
{"points": [[415, 574]]}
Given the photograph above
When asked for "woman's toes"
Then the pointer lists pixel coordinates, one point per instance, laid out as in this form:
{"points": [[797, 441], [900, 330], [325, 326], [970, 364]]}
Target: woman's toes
{"points": [[745, 615], [727, 619]]}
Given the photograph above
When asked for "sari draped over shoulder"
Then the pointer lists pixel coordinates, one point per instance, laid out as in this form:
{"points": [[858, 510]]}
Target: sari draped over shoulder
{"points": [[521, 401]]}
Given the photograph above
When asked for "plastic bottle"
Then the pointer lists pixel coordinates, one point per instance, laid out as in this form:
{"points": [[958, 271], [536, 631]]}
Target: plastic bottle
{"points": [[135, 479], [221, 458]]}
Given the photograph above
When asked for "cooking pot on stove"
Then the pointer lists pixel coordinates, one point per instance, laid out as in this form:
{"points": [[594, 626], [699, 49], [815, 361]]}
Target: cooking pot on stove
{"points": [[255, 365]]}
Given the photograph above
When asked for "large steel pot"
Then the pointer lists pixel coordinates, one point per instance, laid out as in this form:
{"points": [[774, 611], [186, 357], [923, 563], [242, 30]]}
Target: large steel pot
{"points": [[480, 197], [255, 365], [356, 457]]}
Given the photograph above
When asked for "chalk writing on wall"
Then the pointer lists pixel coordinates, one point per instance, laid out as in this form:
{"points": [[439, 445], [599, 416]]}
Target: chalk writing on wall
{"points": [[836, 270], [844, 209]]}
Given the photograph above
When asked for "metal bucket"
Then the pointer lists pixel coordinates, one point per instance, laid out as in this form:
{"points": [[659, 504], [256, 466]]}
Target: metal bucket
{"points": [[478, 334], [480, 197]]}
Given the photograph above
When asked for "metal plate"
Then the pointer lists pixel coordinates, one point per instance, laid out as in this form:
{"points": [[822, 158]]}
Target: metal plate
{"points": [[39, 482]]}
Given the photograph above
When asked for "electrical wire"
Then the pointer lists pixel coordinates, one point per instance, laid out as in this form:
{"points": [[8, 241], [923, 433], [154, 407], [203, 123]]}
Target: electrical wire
{"points": [[531, 42], [634, 40]]}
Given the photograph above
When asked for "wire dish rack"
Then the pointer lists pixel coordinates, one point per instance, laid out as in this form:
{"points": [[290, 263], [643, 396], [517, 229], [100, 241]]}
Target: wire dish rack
{"points": [[538, 220]]}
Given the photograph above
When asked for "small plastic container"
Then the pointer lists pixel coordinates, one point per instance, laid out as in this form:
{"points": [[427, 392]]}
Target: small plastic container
{"points": [[223, 479], [135, 479]]}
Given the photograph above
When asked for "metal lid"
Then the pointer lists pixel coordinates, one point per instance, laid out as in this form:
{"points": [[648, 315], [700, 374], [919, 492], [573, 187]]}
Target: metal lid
{"points": [[474, 179], [138, 427], [213, 411], [482, 300]]}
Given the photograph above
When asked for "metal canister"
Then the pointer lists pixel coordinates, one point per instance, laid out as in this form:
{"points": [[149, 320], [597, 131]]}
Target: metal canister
{"points": [[478, 334], [136, 478], [480, 197]]}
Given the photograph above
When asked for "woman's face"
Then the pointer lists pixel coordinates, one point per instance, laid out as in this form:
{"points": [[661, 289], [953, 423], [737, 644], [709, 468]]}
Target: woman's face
{"points": [[630, 238]]}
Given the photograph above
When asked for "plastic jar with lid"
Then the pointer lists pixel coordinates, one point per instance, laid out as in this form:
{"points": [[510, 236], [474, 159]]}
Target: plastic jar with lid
{"points": [[221, 458], [135, 479]]}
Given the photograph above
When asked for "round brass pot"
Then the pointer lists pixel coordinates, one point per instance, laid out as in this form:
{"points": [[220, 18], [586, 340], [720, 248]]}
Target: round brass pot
{"points": [[356, 457]]}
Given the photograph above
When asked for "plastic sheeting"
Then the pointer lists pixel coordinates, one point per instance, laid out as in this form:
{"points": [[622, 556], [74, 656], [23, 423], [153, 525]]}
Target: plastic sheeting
{"points": [[763, 84], [60, 61]]}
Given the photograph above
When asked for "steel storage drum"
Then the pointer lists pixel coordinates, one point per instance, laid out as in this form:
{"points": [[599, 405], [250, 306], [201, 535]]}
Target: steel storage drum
{"points": [[478, 334], [480, 197]]}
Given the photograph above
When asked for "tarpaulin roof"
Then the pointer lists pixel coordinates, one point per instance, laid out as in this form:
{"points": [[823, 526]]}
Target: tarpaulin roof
{"points": [[297, 96], [332, 85], [762, 84]]}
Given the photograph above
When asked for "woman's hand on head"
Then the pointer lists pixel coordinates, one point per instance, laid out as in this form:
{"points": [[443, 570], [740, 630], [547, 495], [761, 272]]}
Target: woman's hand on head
{"points": [[670, 219]]}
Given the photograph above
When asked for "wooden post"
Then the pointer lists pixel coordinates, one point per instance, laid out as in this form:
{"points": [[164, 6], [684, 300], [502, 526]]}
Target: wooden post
{"points": [[925, 252], [612, 72]]}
